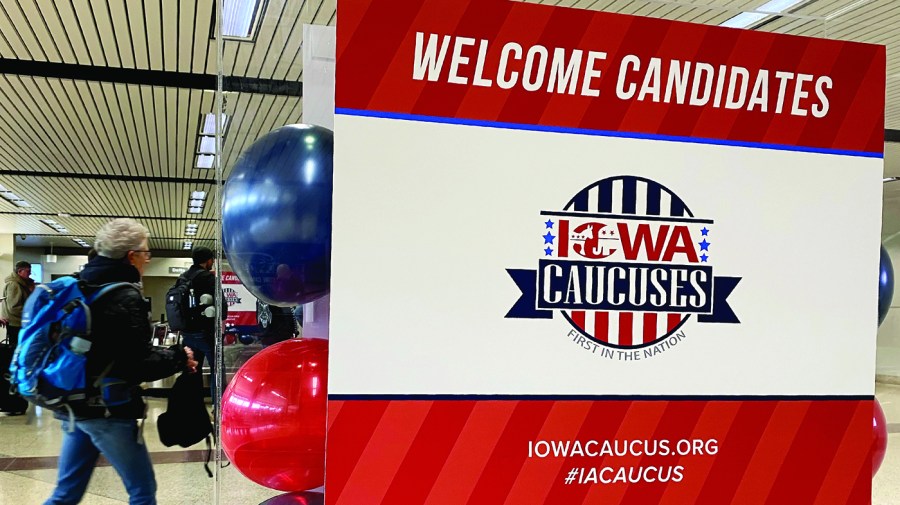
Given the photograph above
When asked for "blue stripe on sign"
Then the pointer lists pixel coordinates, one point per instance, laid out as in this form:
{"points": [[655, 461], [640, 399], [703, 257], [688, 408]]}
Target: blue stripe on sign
{"points": [[580, 201], [677, 207], [629, 195], [653, 197], [602, 133], [606, 194]]}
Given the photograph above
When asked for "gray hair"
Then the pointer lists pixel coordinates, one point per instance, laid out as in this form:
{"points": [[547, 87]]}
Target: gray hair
{"points": [[117, 237]]}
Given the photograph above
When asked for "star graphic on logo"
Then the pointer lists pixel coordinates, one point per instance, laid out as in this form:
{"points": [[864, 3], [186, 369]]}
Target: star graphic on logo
{"points": [[548, 252], [704, 246], [548, 238], [704, 231], [703, 258], [549, 223]]}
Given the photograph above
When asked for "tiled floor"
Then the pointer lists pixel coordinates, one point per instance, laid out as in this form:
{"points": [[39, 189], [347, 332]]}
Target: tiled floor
{"points": [[33, 437], [37, 439]]}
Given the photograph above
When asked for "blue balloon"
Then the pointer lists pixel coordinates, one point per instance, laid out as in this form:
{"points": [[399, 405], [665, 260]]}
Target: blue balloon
{"points": [[276, 215], [246, 339], [885, 285]]}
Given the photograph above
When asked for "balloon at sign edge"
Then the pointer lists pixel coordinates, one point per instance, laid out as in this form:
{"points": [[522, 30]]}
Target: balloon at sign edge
{"points": [[301, 438], [885, 285], [317, 290], [880, 436]]}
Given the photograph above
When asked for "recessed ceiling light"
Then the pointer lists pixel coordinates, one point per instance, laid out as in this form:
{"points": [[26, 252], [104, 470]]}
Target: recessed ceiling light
{"points": [[195, 210], [209, 124], [58, 228], [205, 160], [770, 8], [207, 145], [195, 195], [239, 18]]}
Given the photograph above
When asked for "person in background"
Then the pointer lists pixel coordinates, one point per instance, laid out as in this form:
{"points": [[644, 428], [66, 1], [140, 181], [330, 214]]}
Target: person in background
{"points": [[18, 286], [121, 345], [200, 330], [90, 255]]}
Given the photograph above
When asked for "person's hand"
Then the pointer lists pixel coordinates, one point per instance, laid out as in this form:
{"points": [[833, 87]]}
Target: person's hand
{"points": [[4, 323], [191, 363]]}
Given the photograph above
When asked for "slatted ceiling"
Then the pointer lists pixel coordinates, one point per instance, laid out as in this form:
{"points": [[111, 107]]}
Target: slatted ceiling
{"points": [[89, 32], [184, 43], [106, 35], [6, 50], [326, 13], [15, 37], [130, 131], [123, 145], [273, 33], [19, 126], [164, 234], [100, 140], [282, 49], [240, 134], [30, 11], [169, 27], [153, 34], [182, 132], [204, 47], [22, 224], [105, 197], [25, 29], [121, 30]]}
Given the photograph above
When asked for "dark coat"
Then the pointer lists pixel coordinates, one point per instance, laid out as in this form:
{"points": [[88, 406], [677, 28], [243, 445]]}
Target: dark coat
{"points": [[15, 293], [122, 336], [203, 282]]}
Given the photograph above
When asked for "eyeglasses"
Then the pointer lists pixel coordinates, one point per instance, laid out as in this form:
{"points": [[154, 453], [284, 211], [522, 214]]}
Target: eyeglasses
{"points": [[149, 254]]}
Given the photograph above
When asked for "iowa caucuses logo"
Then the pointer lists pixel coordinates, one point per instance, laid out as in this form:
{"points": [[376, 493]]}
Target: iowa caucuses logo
{"points": [[627, 264]]}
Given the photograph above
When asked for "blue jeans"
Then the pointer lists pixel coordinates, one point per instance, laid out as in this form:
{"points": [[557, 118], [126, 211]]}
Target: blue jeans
{"points": [[202, 346], [117, 440]]}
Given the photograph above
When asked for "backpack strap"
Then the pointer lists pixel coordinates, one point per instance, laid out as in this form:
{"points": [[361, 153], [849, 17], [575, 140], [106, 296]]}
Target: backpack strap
{"points": [[190, 278]]}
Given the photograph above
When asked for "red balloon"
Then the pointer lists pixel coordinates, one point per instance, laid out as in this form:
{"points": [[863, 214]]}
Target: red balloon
{"points": [[879, 424], [273, 415], [230, 338]]}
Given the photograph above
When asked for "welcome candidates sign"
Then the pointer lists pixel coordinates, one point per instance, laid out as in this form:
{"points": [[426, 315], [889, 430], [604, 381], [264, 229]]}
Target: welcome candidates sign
{"points": [[582, 257]]}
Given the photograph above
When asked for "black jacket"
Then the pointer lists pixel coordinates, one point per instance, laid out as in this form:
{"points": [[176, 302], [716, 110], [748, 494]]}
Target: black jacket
{"points": [[203, 282], [121, 336]]}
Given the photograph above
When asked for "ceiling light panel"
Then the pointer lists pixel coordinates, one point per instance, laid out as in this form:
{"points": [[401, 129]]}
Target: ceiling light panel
{"points": [[771, 8], [240, 18]]}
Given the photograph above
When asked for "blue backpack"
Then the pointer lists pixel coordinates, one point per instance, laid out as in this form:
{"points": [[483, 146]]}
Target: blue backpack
{"points": [[49, 364]]}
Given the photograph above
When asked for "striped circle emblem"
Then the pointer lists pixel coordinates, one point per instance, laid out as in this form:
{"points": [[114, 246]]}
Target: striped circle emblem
{"points": [[627, 196]]}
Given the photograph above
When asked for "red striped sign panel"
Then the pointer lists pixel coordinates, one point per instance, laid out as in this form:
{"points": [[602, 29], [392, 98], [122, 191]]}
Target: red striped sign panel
{"points": [[516, 63], [489, 452]]}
